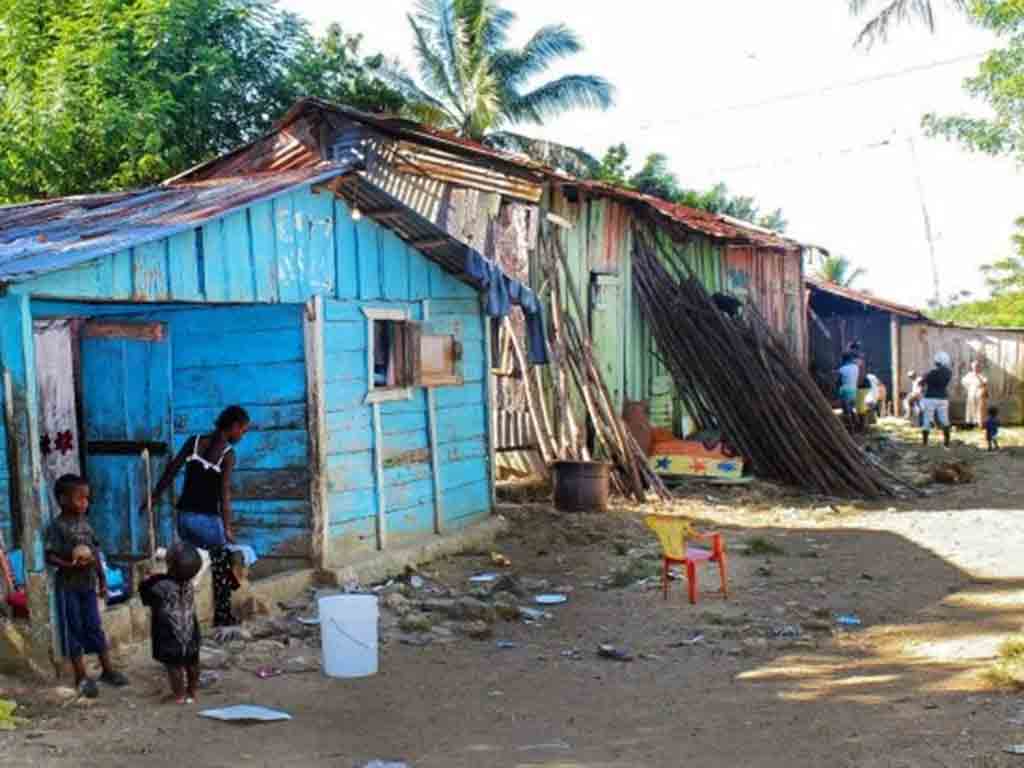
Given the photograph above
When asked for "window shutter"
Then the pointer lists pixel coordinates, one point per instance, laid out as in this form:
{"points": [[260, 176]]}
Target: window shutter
{"points": [[412, 354]]}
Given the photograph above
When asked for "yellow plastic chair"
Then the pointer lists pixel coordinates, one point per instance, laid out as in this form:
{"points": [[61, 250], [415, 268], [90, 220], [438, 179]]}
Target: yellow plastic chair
{"points": [[672, 532]]}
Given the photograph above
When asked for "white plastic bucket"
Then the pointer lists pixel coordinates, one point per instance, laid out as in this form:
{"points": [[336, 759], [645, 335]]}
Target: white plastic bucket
{"points": [[348, 635]]}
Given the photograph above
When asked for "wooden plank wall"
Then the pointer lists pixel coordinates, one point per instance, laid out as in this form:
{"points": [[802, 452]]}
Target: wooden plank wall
{"points": [[6, 523], [385, 273]]}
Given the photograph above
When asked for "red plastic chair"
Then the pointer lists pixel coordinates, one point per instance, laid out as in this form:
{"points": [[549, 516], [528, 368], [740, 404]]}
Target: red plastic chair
{"points": [[672, 532]]}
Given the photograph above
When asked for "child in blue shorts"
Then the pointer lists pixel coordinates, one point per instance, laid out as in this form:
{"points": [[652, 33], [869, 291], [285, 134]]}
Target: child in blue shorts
{"points": [[71, 548]]}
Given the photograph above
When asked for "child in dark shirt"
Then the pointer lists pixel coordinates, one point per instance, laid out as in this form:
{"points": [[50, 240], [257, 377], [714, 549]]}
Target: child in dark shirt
{"points": [[71, 548], [992, 429], [174, 626]]}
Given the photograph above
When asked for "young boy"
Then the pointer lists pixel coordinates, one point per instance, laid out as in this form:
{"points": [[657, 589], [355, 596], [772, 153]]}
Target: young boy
{"points": [[174, 627], [992, 429], [71, 549]]}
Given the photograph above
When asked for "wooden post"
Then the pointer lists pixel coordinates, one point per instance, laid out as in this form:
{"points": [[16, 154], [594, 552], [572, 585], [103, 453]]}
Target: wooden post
{"points": [[897, 374], [492, 408], [150, 519], [435, 460], [17, 362], [316, 421], [378, 474]]}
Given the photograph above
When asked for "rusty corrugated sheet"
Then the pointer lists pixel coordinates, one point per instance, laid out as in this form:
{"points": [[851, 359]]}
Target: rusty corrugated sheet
{"points": [[46, 236], [772, 281], [866, 299]]}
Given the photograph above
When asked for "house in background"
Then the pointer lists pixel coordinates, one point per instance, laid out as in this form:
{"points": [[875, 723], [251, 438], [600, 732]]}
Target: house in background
{"points": [[897, 339], [357, 341], [838, 316]]}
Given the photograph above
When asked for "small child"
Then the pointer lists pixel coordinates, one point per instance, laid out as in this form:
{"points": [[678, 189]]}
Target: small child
{"points": [[80, 582], [174, 626], [992, 429]]}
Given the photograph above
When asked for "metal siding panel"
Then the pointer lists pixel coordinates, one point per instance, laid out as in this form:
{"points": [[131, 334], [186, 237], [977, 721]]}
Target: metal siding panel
{"points": [[320, 237], [395, 267], [288, 268], [368, 252], [346, 262], [214, 255], [239, 283], [183, 267], [150, 279]]}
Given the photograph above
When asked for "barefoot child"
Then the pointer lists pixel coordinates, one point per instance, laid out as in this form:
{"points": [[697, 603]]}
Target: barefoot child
{"points": [[992, 429], [174, 626], [80, 582]]}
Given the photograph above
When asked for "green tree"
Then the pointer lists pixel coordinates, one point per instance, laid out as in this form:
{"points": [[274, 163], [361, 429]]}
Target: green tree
{"points": [[105, 94], [999, 84], [886, 14], [472, 82], [838, 270], [656, 178]]}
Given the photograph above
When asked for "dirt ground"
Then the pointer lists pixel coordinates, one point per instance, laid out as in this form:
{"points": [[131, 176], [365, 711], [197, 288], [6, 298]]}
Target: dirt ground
{"points": [[768, 678]]}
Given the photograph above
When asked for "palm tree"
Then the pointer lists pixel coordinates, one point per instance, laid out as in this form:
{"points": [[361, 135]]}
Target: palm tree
{"points": [[895, 12], [836, 270], [471, 82]]}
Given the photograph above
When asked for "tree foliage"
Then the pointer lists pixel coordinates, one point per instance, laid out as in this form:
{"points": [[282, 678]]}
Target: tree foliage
{"points": [[999, 84], [1005, 281], [471, 81], [839, 270], [105, 94], [657, 178]]}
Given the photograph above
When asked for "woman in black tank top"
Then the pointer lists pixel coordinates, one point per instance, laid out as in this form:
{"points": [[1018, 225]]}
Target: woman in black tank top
{"points": [[204, 508]]}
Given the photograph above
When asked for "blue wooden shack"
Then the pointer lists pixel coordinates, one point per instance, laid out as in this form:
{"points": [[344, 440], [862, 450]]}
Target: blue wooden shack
{"points": [[349, 326]]}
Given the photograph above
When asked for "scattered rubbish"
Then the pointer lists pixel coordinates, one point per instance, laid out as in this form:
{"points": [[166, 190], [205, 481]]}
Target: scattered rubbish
{"points": [[848, 620], [8, 721], [550, 599], [313, 621], [208, 678], [506, 645], [416, 582], [787, 632], [606, 651], [532, 614], [500, 560], [557, 746], [265, 673], [385, 764], [573, 654], [483, 578], [246, 713], [697, 639], [1014, 749]]}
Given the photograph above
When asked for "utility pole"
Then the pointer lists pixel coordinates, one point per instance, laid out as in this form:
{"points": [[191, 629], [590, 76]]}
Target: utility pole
{"points": [[929, 236]]}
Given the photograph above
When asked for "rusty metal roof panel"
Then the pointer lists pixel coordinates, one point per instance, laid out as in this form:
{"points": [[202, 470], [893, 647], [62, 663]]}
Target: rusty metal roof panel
{"points": [[46, 236], [866, 299]]}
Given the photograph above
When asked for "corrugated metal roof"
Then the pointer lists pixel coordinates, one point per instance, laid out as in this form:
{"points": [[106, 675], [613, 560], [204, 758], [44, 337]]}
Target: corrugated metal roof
{"points": [[866, 299], [280, 140], [50, 235]]}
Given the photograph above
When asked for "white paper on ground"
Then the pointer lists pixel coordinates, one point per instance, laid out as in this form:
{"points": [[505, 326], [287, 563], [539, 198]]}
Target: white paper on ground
{"points": [[246, 712]]}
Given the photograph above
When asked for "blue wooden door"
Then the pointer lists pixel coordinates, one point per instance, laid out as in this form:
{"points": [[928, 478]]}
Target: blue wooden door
{"points": [[126, 404]]}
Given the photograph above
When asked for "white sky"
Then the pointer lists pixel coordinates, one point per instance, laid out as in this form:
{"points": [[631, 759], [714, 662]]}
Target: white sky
{"points": [[681, 66]]}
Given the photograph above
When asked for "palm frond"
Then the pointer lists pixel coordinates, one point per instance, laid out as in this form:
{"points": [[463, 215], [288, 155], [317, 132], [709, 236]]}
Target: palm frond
{"points": [[418, 101], [569, 159], [548, 44], [433, 69], [854, 276], [439, 17], [895, 12], [557, 96]]}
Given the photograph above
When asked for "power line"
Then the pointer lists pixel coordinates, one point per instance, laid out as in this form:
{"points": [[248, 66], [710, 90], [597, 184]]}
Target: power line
{"points": [[822, 91], [819, 155]]}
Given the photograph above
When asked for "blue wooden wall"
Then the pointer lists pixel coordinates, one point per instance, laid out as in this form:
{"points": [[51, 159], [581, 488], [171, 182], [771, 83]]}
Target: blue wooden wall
{"points": [[6, 529], [379, 270]]}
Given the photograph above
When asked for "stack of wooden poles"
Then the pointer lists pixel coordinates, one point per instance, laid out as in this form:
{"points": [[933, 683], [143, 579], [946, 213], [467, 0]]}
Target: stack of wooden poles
{"points": [[737, 375], [572, 392]]}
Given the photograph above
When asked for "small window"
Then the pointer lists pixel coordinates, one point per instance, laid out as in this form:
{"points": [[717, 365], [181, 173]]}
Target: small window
{"points": [[393, 365], [401, 356]]}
